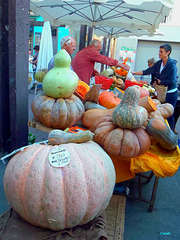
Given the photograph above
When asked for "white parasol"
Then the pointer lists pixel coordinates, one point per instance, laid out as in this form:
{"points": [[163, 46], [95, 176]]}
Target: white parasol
{"points": [[112, 18], [46, 47]]}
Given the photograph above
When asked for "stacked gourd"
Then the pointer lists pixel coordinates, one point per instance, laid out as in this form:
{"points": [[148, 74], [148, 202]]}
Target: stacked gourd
{"points": [[58, 107], [50, 185], [126, 130], [119, 131]]}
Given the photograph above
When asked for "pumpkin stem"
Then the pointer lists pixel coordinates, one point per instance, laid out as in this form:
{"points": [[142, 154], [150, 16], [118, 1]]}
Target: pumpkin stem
{"points": [[57, 137]]}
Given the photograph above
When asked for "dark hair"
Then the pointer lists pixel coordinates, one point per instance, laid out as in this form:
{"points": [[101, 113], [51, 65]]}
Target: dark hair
{"points": [[167, 47], [36, 47]]}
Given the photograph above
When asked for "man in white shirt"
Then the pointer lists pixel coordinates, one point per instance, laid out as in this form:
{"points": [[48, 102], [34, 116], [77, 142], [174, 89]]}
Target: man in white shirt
{"points": [[69, 44]]}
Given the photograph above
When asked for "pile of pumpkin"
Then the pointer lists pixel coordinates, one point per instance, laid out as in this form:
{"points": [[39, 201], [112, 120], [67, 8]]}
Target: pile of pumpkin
{"points": [[70, 181], [122, 126], [128, 129]]}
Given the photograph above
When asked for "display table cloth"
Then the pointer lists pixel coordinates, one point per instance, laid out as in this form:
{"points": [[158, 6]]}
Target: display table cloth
{"points": [[162, 162]]}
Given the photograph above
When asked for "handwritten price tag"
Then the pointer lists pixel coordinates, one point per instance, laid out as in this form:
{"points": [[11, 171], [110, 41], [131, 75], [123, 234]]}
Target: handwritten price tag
{"points": [[59, 157]]}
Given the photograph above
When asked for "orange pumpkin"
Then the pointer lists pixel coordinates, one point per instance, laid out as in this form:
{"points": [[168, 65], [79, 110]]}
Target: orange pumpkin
{"points": [[116, 141], [108, 100], [82, 88], [57, 113], [56, 192]]}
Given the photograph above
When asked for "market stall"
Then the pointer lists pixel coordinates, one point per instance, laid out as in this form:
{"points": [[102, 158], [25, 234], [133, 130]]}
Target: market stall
{"points": [[113, 143], [100, 101]]}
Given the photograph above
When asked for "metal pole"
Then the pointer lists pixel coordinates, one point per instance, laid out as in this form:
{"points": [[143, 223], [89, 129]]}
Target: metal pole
{"points": [[18, 71], [4, 79], [82, 42], [90, 35], [14, 74], [103, 51]]}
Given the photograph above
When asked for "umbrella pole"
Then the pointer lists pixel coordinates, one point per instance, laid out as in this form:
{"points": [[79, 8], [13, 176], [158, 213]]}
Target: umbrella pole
{"points": [[90, 35], [82, 41], [108, 49], [103, 51], [113, 40]]}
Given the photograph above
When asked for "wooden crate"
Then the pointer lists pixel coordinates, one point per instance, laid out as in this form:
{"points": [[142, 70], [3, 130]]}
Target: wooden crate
{"points": [[115, 217]]}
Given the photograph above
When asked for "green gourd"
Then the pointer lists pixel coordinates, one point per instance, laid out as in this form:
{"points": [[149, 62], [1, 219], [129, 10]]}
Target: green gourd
{"points": [[60, 81], [128, 114], [57, 137], [158, 129], [39, 76]]}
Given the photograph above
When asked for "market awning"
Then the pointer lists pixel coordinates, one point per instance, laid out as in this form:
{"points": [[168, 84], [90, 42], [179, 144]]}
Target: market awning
{"points": [[108, 17]]}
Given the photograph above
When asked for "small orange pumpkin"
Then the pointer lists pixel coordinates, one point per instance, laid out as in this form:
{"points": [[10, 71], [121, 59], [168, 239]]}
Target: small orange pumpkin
{"points": [[82, 88], [108, 100]]}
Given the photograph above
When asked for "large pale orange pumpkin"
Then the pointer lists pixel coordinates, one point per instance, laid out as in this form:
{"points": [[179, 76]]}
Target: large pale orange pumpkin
{"points": [[57, 113], [60, 197]]}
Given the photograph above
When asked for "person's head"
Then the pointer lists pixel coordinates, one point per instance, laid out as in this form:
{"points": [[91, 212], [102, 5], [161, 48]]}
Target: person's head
{"points": [[68, 43], [165, 50], [151, 62], [36, 48], [96, 44]]}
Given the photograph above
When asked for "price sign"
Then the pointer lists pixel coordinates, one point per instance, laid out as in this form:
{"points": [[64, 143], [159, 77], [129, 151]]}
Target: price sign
{"points": [[59, 157]]}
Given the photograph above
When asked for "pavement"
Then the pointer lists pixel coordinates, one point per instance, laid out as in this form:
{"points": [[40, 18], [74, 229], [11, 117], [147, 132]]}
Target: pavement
{"points": [[161, 224]]}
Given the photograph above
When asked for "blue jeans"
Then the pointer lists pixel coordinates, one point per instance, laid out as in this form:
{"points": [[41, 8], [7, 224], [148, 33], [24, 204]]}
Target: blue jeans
{"points": [[172, 99]]}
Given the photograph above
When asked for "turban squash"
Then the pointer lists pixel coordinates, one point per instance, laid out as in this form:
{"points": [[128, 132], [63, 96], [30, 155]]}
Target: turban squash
{"points": [[58, 197], [57, 113], [128, 114], [126, 143], [165, 110]]}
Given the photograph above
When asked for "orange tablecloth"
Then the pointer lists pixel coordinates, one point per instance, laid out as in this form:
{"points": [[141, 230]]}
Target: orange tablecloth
{"points": [[162, 162]]}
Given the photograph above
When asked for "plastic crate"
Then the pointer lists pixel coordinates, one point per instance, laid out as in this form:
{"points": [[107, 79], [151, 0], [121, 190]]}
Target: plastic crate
{"points": [[105, 81], [31, 138], [129, 83]]}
